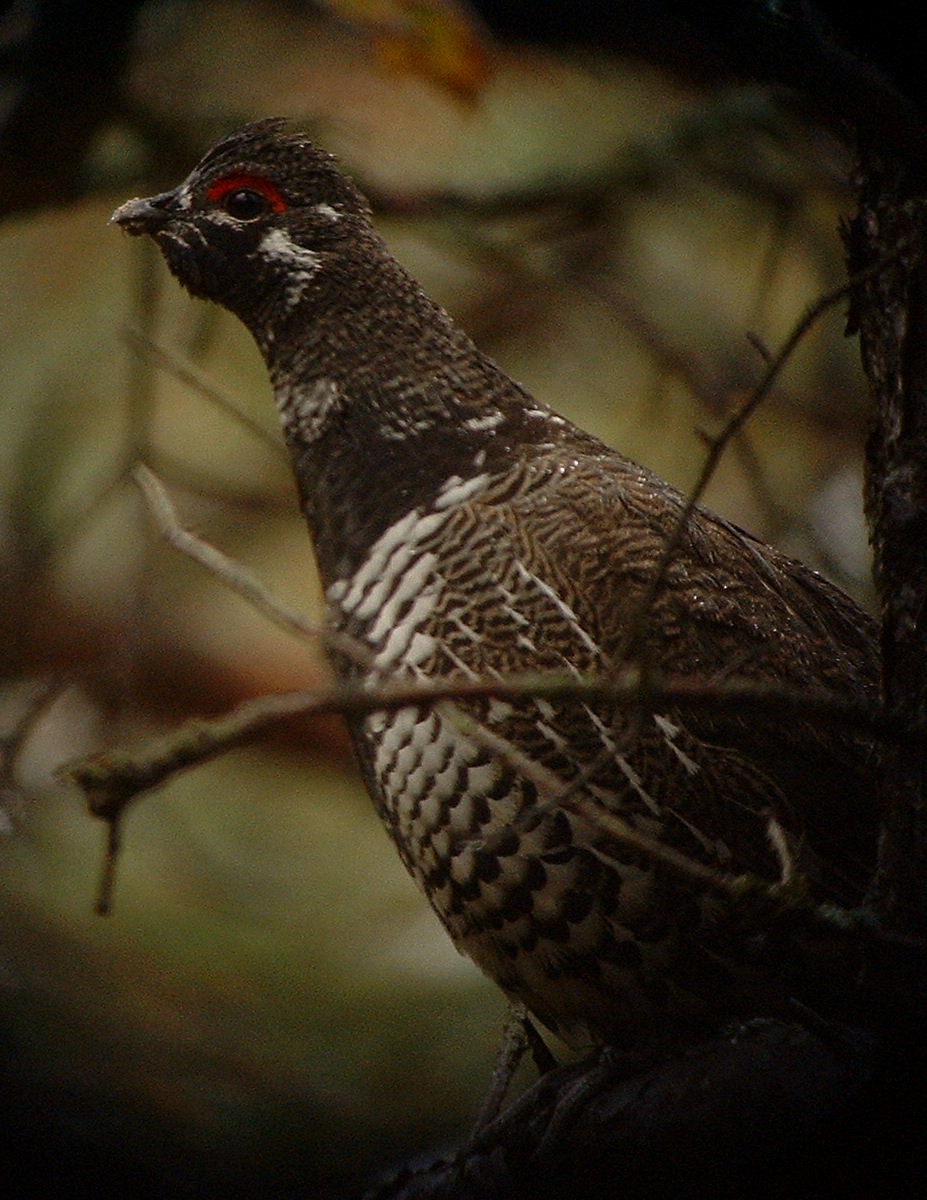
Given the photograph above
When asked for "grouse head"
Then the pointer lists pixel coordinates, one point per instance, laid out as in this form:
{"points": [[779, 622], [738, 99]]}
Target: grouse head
{"points": [[259, 224]]}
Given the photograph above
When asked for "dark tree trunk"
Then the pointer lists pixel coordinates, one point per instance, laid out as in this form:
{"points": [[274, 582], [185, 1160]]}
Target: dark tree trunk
{"points": [[890, 307]]}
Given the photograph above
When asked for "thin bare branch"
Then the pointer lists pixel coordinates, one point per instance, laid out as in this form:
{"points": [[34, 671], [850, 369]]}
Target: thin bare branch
{"points": [[104, 902], [732, 427], [234, 575], [187, 373], [44, 693], [716, 448], [112, 780], [759, 345], [683, 364]]}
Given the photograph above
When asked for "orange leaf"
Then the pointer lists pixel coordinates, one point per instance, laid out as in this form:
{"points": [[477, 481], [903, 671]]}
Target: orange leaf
{"points": [[439, 40]]}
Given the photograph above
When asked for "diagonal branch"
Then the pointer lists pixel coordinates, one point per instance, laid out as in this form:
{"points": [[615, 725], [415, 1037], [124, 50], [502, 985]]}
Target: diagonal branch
{"points": [[192, 377], [235, 576], [719, 443]]}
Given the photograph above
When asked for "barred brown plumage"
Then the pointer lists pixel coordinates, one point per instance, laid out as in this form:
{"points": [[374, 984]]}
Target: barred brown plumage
{"points": [[463, 530]]}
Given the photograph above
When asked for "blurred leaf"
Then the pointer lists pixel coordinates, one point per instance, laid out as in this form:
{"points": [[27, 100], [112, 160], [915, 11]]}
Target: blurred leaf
{"points": [[439, 40]]}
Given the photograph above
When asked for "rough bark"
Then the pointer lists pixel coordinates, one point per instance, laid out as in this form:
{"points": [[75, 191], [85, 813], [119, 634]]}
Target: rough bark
{"points": [[891, 311]]}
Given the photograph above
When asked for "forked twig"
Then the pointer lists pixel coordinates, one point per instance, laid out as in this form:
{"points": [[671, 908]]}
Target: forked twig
{"points": [[112, 781], [116, 778], [236, 576], [12, 740], [717, 445]]}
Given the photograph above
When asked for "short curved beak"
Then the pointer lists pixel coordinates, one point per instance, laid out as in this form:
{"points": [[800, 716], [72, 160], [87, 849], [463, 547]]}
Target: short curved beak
{"points": [[144, 215]]}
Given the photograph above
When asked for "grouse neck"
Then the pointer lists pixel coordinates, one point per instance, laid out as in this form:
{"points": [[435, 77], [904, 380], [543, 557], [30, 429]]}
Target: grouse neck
{"points": [[383, 402], [364, 335]]}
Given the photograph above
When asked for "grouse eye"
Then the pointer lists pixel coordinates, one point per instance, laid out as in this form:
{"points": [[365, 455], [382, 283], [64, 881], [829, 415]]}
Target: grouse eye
{"points": [[245, 205], [246, 197]]}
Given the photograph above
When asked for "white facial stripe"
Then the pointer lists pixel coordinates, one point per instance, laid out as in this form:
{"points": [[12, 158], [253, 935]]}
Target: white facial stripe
{"points": [[279, 246], [218, 217], [301, 263]]}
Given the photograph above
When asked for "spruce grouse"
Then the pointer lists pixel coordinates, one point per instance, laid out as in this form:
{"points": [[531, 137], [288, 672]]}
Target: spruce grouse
{"points": [[464, 530]]}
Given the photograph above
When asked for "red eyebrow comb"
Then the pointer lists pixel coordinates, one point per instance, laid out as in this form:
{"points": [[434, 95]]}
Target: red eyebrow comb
{"points": [[254, 183]]}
